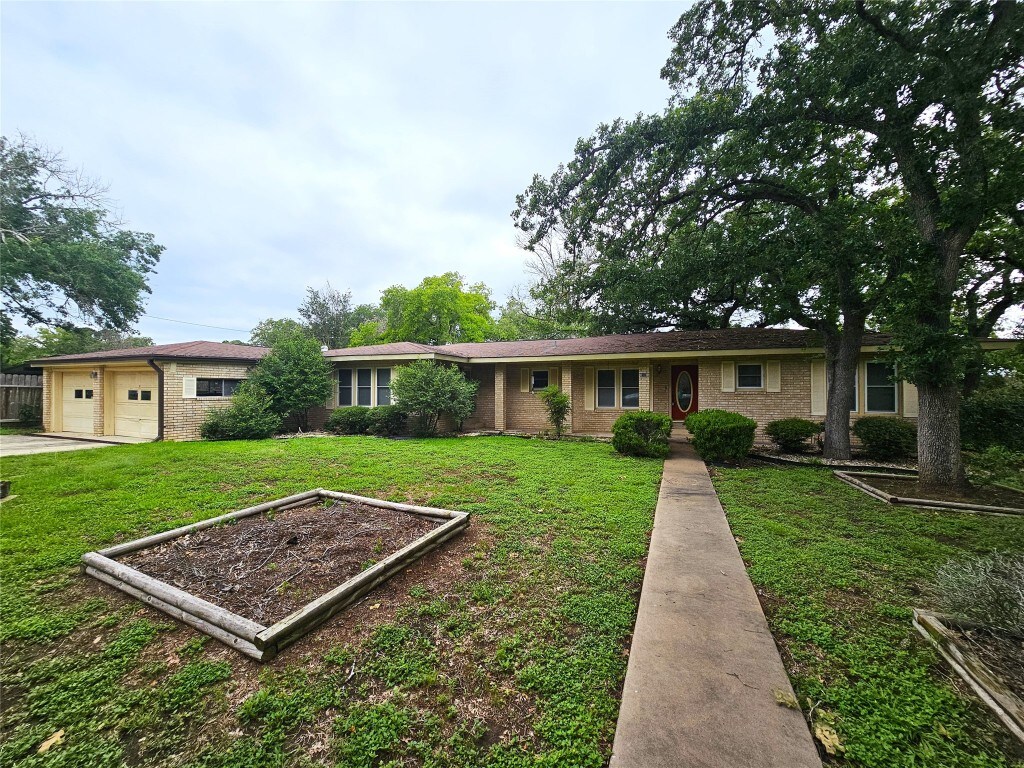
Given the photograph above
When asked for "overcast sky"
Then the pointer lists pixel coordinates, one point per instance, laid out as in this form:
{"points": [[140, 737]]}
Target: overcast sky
{"points": [[274, 146]]}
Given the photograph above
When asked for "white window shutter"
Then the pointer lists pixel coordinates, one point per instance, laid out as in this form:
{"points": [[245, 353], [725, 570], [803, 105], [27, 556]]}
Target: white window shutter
{"points": [[728, 376], [188, 387], [524, 379], [819, 392], [909, 399], [553, 379], [773, 376], [588, 389]]}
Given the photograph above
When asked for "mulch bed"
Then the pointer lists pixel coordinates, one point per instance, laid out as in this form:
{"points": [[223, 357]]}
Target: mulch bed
{"points": [[988, 495], [1001, 652], [267, 566]]}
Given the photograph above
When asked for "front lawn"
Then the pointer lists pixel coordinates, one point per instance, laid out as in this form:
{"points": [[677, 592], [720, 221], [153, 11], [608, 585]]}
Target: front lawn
{"points": [[838, 573], [504, 648]]}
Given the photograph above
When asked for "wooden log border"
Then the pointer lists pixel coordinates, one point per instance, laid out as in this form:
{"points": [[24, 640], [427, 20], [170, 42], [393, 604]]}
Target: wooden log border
{"points": [[249, 637], [989, 687], [853, 478]]}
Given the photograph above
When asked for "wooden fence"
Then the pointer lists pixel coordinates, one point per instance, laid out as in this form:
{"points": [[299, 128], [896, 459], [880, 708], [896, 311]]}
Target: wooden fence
{"points": [[18, 390]]}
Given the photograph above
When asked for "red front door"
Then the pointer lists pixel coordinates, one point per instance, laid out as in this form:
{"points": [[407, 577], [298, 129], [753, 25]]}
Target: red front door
{"points": [[684, 391]]}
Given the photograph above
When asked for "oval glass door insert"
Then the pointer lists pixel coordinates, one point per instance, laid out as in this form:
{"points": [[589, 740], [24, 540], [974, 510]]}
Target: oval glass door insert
{"points": [[684, 391]]}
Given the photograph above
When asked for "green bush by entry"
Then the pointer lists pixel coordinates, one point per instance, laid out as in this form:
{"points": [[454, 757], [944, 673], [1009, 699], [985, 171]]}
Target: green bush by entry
{"points": [[386, 420], [886, 438], [791, 435], [642, 433], [353, 420], [721, 435], [994, 417], [249, 417]]}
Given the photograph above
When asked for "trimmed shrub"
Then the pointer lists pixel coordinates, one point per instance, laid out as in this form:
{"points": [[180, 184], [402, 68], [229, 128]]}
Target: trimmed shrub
{"points": [[993, 417], [791, 435], [986, 590], [642, 433], [558, 407], [353, 420], [386, 420], [721, 435], [886, 438], [250, 416]]}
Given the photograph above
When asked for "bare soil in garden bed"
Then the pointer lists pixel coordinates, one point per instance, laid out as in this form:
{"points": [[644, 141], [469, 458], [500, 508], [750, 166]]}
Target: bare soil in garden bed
{"points": [[267, 566], [1001, 652], [908, 488]]}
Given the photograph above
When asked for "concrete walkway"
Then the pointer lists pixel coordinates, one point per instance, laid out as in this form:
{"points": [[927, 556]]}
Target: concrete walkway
{"points": [[23, 445], [704, 673]]}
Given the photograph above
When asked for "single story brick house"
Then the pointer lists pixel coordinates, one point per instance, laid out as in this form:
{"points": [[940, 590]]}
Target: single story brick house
{"points": [[165, 391]]}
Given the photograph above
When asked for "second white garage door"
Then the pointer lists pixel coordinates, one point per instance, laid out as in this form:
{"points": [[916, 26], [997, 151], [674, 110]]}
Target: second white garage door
{"points": [[135, 404]]}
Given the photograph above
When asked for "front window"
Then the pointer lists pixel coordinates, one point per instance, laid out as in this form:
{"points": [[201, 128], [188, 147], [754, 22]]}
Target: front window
{"points": [[880, 388], [749, 376], [364, 387], [538, 380], [383, 386], [630, 387], [344, 386], [213, 388], [606, 389]]}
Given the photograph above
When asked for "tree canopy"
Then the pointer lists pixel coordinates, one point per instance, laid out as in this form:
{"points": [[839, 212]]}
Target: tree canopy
{"points": [[63, 341], [818, 163], [295, 376], [66, 258], [330, 318], [442, 309]]}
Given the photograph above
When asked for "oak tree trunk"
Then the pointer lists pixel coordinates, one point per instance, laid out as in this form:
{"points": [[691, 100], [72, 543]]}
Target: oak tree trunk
{"points": [[842, 355], [940, 464]]}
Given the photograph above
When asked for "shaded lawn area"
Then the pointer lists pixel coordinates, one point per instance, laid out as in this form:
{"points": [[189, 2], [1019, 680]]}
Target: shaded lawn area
{"points": [[505, 647], [838, 573]]}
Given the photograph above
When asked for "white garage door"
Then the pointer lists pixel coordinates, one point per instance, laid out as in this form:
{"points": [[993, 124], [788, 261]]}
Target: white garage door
{"points": [[135, 404], [76, 403]]}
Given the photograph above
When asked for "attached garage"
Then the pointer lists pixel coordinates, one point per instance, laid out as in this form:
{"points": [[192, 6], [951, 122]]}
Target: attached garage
{"points": [[76, 403], [135, 401]]}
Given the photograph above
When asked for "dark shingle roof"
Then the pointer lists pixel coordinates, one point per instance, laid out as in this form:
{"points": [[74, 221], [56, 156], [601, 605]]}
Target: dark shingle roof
{"points": [[725, 339], [186, 350]]}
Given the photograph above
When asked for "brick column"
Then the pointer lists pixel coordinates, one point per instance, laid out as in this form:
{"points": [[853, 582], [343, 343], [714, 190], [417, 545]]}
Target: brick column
{"points": [[566, 386], [499, 397], [98, 427], [47, 400]]}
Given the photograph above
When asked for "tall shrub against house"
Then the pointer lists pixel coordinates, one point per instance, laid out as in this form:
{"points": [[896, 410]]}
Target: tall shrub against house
{"points": [[249, 417], [558, 405], [295, 377], [428, 391]]}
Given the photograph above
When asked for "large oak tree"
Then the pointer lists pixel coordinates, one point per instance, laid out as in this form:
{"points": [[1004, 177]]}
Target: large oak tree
{"points": [[917, 101]]}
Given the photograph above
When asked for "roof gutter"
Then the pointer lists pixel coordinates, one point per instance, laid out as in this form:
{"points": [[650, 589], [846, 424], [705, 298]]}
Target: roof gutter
{"points": [[159, 398]]}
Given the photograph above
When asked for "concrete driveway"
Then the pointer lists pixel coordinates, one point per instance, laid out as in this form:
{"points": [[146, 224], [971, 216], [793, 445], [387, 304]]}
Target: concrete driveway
{"points": [[23, 445]]}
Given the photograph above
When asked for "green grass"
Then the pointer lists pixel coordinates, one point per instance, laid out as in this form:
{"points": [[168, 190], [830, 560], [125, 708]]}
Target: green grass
{"points": [[18, 429], [839, 573], [516, 660]]}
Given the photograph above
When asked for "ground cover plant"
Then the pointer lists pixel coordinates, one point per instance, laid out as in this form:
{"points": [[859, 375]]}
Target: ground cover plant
{"points": [[505, 647], [837, 573]]}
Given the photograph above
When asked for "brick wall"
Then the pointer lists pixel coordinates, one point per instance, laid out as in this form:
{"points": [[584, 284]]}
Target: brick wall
{"points": [[483, 414], [183, 416]]}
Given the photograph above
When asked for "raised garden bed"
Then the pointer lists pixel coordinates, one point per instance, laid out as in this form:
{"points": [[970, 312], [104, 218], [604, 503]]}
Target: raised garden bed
{"points": [[900, 489], [260, 578], [991, 662]]}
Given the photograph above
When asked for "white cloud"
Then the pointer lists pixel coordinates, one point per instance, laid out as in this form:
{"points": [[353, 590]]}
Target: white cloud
{"points": [[272, 146]]}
